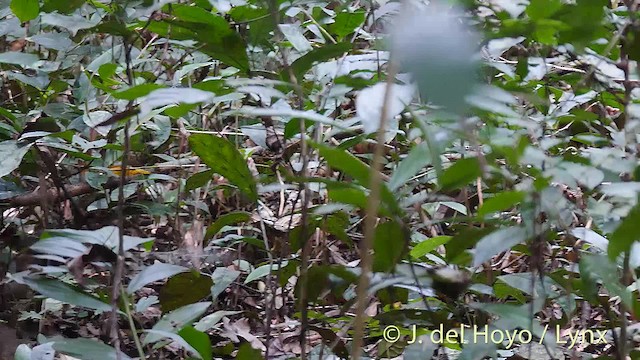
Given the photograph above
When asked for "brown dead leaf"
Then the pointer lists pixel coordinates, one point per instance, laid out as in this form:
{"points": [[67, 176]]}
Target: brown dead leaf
{"points": [[241, 328]]}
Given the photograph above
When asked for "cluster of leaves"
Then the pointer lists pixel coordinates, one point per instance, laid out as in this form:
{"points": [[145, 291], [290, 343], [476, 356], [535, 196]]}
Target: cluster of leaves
{"points": [[515, 206]]}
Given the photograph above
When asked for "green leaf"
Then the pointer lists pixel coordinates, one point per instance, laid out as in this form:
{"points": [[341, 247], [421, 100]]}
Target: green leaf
{"points": [[625, 234], [501, 201], [58, 290], [198, 179], [198, 340], [107, 236], [515, 316], [598, 269], [246, 352], [184, 289], [428, 246], [348, 195], [137, 91], [346, 22], [263, 271], [222, 277], [153, 273], [11, 154], [542, 9], [344, 161], [177, 319], [461, 173], [324, 53], [225, 220], [223, 158], [261, 22], [25, 10], [211, 320], [176, 339], [497, 242], [53, 40], [389, 246], [87, 349], [63, 7], [18, 58], [220, 41], [417, 159], [73, 23]]}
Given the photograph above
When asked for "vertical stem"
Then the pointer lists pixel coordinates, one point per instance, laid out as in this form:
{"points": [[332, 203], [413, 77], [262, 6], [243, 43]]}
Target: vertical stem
{"points": [[371, 218], [119, 271]]}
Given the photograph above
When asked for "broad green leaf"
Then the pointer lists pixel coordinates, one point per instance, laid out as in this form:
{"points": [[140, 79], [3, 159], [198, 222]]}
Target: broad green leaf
{"points": [[184, 289], [625, 234], [53, 40], [136, 91], [224, 158], [222, 277], [25, 10], [497, 242], [199, 179], [58, 290], [246, 352], [417, 159], [542, 9], [63, 7], [262, 25], [389, 246], [348, 195], [225, 220], [198, 340], [87, 349], [501, 201], [263, 271], [324, 53], [18, 58], [344, 161], [11, 154], [176, 320], [461, 173], [211, 320], [106, 236], [73, 23], [347, 22], [153, 273], [597, 268], [428, 245], [513, 317], [523, 281], [177, 339], [213, 31]]}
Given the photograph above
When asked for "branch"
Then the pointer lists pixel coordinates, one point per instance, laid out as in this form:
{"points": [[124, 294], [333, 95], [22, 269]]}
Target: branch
{"points": [[56, 194]]}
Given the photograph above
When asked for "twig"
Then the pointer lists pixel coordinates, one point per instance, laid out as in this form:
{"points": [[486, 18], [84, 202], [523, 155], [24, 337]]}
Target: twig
{"points": [[371, 217], [132, 325], [119, 271], [56, 195]]}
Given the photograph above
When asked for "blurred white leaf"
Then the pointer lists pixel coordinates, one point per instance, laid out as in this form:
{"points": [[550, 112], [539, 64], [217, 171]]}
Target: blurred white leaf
{"points": [[169, 96], [43, 352], [370, 100], [295, 36]]}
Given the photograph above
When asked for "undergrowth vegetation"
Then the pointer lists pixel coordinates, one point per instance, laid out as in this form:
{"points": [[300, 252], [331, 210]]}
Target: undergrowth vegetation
{"points": [[200, 179]]}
